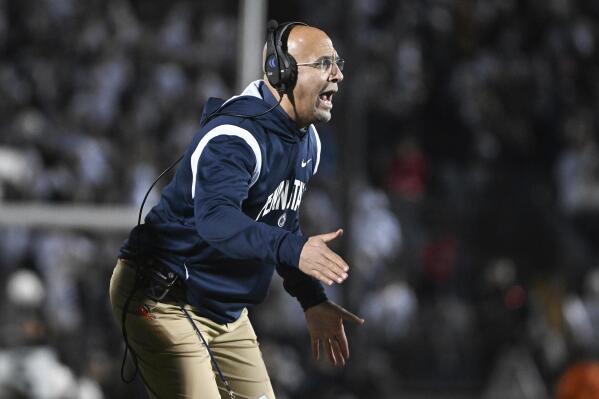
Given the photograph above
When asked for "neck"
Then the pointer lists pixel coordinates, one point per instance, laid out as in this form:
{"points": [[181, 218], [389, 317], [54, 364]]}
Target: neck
{"points": [[288, 105]]}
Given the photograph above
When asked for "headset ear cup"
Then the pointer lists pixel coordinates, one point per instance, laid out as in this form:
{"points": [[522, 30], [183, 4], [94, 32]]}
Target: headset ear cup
{"points": [[284, 61], [271, 62], [292, 72], [280, 66], [272, 71]]}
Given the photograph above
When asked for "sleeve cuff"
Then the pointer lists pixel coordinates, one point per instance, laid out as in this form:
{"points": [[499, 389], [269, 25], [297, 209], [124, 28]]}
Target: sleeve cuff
{"points": [[290, 249], [312, 300], [308, 291]]}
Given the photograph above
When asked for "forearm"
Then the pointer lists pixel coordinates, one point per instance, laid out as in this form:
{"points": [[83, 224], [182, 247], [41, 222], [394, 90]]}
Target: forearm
{"points": [[228, 229]]}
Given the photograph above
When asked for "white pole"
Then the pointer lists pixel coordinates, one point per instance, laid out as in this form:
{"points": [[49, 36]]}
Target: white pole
{"points": [[252, 34], [69, 216]]}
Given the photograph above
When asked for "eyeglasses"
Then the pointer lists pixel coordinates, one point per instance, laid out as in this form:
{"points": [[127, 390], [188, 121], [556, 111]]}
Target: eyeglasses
{"points": [[326, 64]]}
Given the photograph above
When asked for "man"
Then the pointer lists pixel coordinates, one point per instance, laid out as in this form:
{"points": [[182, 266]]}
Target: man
{"points": [[225, 222]]}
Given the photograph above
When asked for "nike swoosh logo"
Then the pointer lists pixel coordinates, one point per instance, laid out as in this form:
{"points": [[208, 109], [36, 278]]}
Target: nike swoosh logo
{"points": [[306, 162]]}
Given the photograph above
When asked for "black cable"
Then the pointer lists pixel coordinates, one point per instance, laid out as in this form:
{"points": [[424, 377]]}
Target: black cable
{"points": [[124, 332], [217, 113], [138, 275], [212, 359], [165, 171]]}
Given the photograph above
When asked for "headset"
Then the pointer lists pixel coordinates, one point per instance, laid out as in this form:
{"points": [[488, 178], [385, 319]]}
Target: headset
{"points": [[280, 66], [281, 71]]}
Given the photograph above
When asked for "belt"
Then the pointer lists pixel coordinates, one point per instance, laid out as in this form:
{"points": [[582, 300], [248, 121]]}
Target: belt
{"points": [[158, 281]]}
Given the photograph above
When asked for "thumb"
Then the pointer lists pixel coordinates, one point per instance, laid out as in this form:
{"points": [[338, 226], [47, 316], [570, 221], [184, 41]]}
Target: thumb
{"points": [[328, 237], [349, 316]]}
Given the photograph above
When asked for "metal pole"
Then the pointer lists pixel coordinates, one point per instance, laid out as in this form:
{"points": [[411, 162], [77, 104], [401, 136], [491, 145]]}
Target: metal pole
{"points": [[353, 159], [251, 35]]}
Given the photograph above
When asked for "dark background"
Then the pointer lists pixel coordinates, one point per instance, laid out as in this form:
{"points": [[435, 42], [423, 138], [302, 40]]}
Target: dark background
{"points": [[461, 160]]}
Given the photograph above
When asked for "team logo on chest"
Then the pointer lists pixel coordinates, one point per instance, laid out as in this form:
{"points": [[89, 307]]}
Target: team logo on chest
{"points": [[287, 195], [282, 220]]}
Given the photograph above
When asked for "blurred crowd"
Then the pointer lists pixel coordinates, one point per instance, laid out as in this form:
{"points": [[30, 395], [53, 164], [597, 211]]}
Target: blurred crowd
{"points": [[473, 232]]}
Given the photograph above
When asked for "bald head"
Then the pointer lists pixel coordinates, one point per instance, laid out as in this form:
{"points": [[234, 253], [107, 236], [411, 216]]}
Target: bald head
{"points": [[300, 39], [310, 100], [306, 40]]}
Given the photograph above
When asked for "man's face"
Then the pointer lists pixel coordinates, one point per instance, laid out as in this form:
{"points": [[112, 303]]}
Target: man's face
{"points": [[316, 84]]}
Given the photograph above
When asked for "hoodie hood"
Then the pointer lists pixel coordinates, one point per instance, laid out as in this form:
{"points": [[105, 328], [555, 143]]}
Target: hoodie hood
{"points": [[251, 102]]}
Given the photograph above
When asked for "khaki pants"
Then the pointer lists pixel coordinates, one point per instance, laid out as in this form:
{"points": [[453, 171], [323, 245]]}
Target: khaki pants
{"points": [[173, 361]]}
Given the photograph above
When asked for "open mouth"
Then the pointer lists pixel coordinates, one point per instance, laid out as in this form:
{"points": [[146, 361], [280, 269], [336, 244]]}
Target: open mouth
{"points": [[326, 98]]}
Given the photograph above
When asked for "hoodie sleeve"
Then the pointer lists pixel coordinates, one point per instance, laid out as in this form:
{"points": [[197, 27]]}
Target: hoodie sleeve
{"points": [[224, 167], [308, 291]]}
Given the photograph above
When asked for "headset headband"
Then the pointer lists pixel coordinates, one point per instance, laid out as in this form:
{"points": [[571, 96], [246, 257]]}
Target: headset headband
{"points": [[280, 66]]}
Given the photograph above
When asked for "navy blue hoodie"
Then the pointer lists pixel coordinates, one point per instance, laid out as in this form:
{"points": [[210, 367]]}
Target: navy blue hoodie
{"points": [[230, 215]]}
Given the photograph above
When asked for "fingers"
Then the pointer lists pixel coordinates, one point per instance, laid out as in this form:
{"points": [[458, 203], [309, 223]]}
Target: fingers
{"points": [[332, 265], [337, 351], [337, 260], [328, 237], [336, 347], [326, 276], [343, 345], [324, 270], [321, 277], [319, 261], [330, 351], [332, 271]]}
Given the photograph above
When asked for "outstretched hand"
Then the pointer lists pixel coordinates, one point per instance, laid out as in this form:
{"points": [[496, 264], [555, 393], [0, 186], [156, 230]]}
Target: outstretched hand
{"points": [[319, 261], [325, 324]]}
